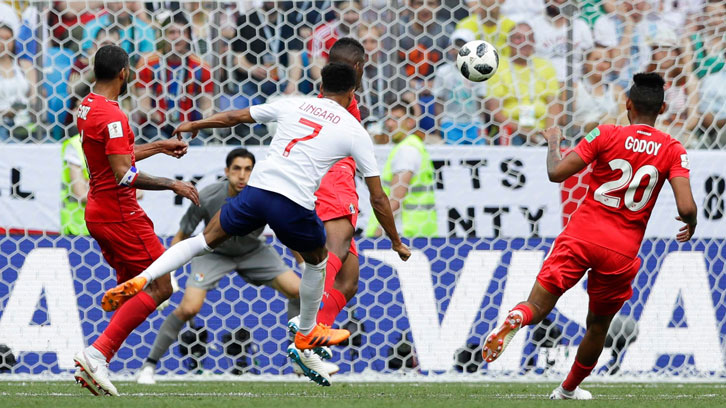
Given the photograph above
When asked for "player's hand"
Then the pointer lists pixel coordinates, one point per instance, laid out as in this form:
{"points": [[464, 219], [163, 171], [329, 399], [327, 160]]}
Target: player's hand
{"points": [[173, 147], [403, 252], [686, 231], [186, 127], [187, 190], [553, 132]]}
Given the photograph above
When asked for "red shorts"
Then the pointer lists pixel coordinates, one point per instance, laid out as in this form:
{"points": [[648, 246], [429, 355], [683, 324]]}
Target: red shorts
{"points": [[337, 197], [128, 246], [610, 279]]}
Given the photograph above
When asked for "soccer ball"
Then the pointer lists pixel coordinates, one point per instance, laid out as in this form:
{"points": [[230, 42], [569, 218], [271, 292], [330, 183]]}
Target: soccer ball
{"points": [[477, 61]]}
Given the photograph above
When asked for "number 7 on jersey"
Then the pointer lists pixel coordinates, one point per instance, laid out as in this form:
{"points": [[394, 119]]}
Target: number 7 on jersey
{"points": [[316, 131]]}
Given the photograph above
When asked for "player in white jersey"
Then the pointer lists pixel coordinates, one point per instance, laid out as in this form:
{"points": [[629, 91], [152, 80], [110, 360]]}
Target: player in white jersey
{"points": [[312, 135]]}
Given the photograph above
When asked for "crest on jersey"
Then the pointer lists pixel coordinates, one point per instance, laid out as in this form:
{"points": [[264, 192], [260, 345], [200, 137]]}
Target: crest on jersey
{"points": [[198, 276], [684, 161], [592, 135], [351, 208]]}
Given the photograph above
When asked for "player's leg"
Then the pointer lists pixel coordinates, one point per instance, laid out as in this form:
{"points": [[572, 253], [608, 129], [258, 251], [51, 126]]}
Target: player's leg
{"points": [[301, 230], [563, 268], [169, 331], [339, 236], [587, 355], [239, 216], [288, 284]]}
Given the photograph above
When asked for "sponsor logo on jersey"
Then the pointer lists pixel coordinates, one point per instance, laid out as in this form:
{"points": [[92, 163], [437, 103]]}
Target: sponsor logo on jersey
{"points": [[592, 135]]}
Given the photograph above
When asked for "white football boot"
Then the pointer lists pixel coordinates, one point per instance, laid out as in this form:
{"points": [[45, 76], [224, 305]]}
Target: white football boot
{"points": [[310, 364], [146, 375], [578, 394], [96, 368], [85, 381]]}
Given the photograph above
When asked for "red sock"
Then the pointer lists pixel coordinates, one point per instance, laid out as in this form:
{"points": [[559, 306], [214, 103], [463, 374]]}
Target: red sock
{"points": [[526, 313], [332, 303], [124, 321], [578, 372]]}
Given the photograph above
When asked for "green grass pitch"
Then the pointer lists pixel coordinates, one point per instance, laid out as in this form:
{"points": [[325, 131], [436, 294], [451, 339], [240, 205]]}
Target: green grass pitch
{"points": [[296, 394]]}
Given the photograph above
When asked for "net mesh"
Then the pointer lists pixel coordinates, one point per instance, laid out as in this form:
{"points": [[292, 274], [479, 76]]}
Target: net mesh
{"points": [[189, 59]]}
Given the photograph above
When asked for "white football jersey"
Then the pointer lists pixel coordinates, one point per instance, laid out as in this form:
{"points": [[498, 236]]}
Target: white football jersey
{"points": [[312, 135]]}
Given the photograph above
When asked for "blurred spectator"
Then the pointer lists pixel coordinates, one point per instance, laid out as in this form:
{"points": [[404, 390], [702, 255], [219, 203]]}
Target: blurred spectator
{"points": [[712, 108], [380, 80], [458, 108], [409, 181], [266, 40], [137, 36], [522, 94], [551, 37], [81, 75], [681, 92], [67, 21], [74, 187], [28, 55], [487, 23], [421, 46], [173, 87], [709, 43], [9, 17], [598, 14], [342, 23], [200, 16], [523, 10], [635, 53], [14, 89], [595, 99]]}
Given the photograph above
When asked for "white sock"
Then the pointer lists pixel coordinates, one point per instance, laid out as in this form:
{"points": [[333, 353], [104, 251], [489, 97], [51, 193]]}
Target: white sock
{"points": [[311, 294], [176, 257]]}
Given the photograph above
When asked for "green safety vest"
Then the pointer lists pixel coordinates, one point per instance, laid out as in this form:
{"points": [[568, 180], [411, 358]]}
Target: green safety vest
{"points": [[418, 209], [72, 211]]}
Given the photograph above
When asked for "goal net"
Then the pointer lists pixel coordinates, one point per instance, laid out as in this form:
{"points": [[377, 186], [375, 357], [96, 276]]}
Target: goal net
{"points": [[566, 64]]}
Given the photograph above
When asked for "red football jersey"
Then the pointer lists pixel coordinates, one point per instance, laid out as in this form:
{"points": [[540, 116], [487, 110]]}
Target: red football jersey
{"points": [[631, 163], [105, 130]]}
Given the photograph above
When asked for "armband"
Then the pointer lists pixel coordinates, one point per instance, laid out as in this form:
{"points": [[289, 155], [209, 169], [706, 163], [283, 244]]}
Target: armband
{"points": [[129, 178]]}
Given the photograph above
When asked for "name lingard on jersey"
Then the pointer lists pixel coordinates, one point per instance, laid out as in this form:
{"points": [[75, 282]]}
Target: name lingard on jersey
{"points": [[319, 112], [642, 146]]}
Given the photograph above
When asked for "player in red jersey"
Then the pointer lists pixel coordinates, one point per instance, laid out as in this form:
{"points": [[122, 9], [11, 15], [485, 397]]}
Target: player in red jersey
{"points": [[113, 216], [337, 206], [630, 165]]}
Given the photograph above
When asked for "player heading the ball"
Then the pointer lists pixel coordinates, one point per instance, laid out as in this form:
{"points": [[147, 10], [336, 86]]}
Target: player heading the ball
{"points": [[630, 165], [312, 135]]}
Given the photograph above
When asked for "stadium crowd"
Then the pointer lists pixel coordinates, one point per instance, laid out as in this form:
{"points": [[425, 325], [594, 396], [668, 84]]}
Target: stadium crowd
{"points": [[193, 58]]}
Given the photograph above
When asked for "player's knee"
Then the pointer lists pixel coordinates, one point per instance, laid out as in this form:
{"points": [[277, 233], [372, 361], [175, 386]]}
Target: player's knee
{"points": [[162, 292], [187, 311]]}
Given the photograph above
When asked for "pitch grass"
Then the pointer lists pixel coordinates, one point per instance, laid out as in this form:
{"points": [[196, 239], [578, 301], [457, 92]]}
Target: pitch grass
{"points": [[296, 394]]}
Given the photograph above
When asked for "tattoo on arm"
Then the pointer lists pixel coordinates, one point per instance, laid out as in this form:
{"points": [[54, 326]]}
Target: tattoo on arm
{"points": [[554, 156], [148, 182]]}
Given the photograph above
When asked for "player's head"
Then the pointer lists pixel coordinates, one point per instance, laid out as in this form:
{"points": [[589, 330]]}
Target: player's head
{"points": [[645, 97], [338, 81], [240, 162], [111, 65], [349, 51]]}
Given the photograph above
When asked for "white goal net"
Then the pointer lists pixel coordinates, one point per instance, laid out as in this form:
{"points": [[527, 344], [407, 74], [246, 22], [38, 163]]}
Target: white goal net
{"points": [[497, 214]]}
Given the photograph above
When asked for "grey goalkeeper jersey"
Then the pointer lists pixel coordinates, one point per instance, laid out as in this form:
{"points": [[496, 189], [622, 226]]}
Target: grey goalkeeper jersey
{"points": [[211, 199]]}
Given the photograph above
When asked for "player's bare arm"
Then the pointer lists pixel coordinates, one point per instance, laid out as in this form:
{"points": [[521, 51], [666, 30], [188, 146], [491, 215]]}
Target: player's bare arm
{"points": [[172, 147], [219, 120], [687, 209], [122, 170], [382, 209], [559, 169]]}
